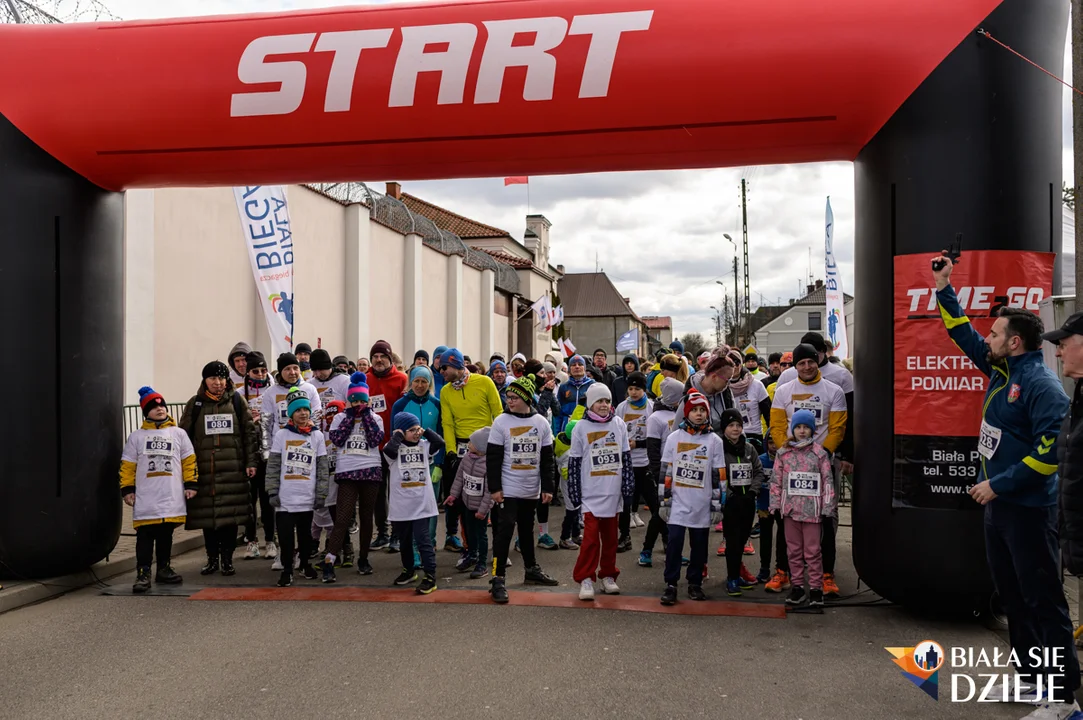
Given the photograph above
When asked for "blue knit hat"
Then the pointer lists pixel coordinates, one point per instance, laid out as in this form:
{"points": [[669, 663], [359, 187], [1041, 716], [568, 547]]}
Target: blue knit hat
{"points": [[576, 360], [497, 363], [452, 358], [359, 388], [438, 353], [421, 371], [295, 400], [803, 417], [404, 421]]}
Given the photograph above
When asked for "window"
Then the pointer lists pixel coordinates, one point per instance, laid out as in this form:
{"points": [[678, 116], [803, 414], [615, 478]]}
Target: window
{"points": [[815, 321]]}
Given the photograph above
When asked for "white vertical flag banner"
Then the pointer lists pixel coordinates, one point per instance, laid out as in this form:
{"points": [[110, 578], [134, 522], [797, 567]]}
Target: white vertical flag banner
{"points": [[265, 222], [544, 311], [836, 312]]}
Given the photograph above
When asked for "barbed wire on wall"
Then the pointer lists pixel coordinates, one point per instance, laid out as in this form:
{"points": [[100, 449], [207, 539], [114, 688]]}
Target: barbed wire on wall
{"points": [[53, 12]]}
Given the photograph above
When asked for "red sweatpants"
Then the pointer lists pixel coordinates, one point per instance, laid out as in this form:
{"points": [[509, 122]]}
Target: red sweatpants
{"points": [[599, 544]]}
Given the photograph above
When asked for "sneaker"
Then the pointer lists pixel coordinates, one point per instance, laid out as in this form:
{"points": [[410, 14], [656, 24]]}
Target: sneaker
{"points": [[695, 592], [517, 549], [453, 544], [481, 570], [763, 576], [579, 539], [328, 574], [270, 550], [406, 577], [640, 522], [831, 589], [364, 568], [645, 559], [546, 542], [1057, 711], [296, 559], [251, 552], [610, 587], [277, 564], [381, 541], [285, 579], [355, 527], [706, 571], [797, 595], [210, 568], [536, 576], [779, 583], [427, 585], [507, 563], [167, 576], [718, 527], [722, 549], [756, 530], [394, 546], [733, 588], [142, 580], [347, 556], [568, 544], [749, 550], [669, 596], [227, 567], [624, 544], [465, 563], [684, 562], [315, 552], [815, 598], [498, 591], [309, 572], [586, 589], [748, 580]]}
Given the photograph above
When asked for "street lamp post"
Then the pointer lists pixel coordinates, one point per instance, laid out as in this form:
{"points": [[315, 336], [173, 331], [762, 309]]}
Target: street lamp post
{"points": [[717, 326], [736, 292]]}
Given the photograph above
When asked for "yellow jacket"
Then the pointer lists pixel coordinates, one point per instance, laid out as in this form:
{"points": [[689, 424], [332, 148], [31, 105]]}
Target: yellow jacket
{"points": [[823, 397]]}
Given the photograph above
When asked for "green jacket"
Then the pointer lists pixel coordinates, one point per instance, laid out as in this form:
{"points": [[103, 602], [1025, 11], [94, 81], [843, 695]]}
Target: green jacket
{"points": [[222, 498]]}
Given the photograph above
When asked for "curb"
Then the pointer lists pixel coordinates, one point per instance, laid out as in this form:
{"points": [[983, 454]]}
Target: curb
{"points": [[32, 591]]}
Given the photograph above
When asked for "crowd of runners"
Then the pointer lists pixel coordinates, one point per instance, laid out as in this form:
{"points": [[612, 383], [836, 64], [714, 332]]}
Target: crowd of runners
{"points": [[365, 456]]}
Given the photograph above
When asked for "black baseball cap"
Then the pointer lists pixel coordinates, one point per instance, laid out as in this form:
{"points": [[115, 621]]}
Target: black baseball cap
{"points": [[1072, 326]]}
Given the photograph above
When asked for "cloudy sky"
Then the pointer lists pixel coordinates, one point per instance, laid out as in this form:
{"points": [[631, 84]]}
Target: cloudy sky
{"points": [[658, 235]]}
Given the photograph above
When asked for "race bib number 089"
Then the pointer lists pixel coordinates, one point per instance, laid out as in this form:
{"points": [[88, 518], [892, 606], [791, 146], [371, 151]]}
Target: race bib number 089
{"points": [[158, 445]]}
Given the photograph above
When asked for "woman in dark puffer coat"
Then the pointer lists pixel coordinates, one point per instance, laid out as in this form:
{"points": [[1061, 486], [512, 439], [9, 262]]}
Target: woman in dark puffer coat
{"points": [[227, 448]]}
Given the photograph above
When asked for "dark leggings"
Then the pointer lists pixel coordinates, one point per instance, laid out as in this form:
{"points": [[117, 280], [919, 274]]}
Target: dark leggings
{"points": [[737, 526], [514, 511], [349, 493], [828, 529], [767, 522], [648, 492], [147, 536], [624, 521], [569, 529], [287, 522], [221, 541], [262, 501]]}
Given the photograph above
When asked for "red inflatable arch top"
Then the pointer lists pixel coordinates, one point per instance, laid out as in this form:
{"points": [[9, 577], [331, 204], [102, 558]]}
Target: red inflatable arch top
{"points": [[478, 89]]}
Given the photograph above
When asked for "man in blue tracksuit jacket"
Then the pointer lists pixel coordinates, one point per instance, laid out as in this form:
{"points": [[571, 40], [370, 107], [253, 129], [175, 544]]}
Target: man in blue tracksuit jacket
{"points": [[1022, 413]]}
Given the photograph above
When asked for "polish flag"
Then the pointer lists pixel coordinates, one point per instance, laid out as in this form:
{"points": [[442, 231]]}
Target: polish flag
{"points": [[516, 181]]}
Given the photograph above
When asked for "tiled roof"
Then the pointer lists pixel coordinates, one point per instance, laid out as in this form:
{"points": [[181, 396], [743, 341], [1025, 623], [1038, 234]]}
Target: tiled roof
{"points": [[592, 295], [508, 259], [464, 227], [654, 322], [819, 297]]}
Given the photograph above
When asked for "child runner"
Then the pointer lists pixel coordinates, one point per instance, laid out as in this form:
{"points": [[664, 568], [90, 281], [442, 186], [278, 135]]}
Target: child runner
{"points": [[771, 522], [600, 441], [472, 487], [802, 492], [157, 476], [634, 413], [521, 472], [323, 519], [744, 476], [357, 433], [297, 480], [411, 501], [660, 425], [693, 464]]}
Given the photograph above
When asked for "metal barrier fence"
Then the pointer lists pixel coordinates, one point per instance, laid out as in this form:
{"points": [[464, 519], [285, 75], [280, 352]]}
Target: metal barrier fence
{"points": [[133, 416]]}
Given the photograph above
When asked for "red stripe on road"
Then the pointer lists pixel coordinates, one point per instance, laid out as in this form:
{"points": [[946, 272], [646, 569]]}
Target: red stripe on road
{"points": [[479, 597]]}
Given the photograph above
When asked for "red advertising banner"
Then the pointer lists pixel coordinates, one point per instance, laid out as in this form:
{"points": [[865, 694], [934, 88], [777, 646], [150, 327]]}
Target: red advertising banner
{"points": [[938, 391]]}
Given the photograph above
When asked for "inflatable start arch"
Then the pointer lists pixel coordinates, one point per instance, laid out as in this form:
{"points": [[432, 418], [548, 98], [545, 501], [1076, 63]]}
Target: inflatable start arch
{"points": [[948, 133]]}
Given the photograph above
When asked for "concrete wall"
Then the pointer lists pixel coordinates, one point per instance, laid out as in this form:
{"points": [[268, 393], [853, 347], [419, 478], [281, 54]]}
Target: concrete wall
{"points": [[189, 294], [589, 334]]}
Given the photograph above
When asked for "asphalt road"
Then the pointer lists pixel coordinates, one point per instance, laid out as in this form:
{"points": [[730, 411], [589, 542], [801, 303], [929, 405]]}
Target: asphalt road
{"points": [[89, 655]]}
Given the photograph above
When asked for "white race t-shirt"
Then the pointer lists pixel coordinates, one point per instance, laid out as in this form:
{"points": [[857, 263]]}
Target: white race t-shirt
{"points": [[661, 424], [159, 475], [749, 407], [523, 440], [822, 398], [635, 423], [273, 404], [333, 388], [600, 446], [297, 489], [692, 459], [411, 496], [356, 454]]}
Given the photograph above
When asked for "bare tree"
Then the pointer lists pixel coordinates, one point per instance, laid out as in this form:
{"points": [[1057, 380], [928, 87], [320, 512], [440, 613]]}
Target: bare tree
{"points": [[694, 343]]}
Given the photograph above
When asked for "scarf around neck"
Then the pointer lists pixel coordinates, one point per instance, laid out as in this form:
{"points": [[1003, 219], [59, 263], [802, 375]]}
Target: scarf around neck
{"points": [[734, 448], [594, 417], [461, 382], [740, 385], [298, 430], [640, 404]]}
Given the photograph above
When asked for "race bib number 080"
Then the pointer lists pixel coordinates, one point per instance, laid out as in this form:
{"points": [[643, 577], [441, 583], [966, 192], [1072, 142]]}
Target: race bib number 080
{"points": [[218, 424]]}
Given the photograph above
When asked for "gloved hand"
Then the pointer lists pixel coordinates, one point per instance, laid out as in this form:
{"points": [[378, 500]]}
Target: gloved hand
{"points": [[275, 501], [437, 474]]}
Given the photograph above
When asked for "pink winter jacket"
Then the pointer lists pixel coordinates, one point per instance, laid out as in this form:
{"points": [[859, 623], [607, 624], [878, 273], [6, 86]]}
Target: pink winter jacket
{"points": [[809, 459]]}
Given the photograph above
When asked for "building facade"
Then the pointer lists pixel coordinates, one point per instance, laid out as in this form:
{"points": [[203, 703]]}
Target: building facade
{"points": [[596, 315], [803, 315]]}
